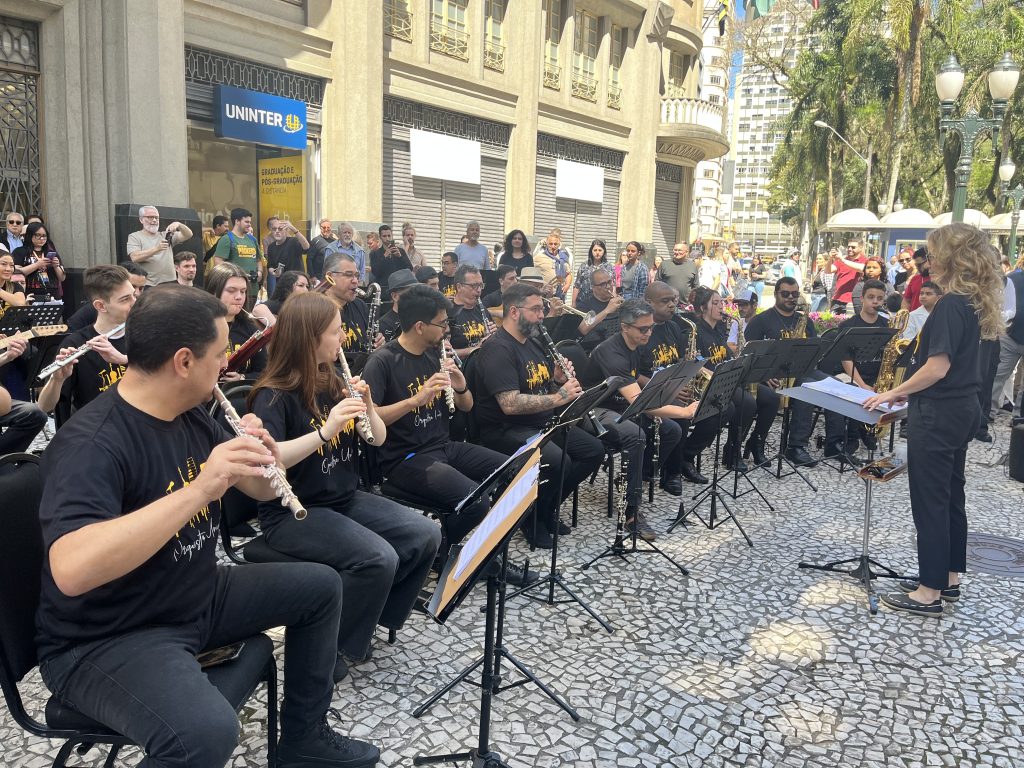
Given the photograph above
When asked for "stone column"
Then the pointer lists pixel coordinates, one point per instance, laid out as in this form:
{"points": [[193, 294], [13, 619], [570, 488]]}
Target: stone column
{"points": [[525, 63]]}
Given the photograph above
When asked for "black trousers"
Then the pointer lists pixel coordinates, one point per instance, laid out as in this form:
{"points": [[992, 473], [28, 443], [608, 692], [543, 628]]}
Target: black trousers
{"points": [[631, 440], [445, 476], [802, 419], [696, 437], [988, 362], [583, 455], [939, 432]]}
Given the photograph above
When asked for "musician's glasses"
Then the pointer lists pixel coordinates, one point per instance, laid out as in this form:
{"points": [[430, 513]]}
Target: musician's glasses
{"points": [[644, 329], [788, 294]]}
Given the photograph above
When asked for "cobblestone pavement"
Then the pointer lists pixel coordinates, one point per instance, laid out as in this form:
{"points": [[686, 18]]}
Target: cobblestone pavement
{"points": [[748, 662]]}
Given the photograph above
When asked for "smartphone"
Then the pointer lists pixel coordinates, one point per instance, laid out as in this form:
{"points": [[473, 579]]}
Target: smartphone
{"points": [[215, 656], [618, 290]]}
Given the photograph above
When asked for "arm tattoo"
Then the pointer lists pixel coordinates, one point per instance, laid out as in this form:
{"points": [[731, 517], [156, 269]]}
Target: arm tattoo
{"points": [[516, 403]]}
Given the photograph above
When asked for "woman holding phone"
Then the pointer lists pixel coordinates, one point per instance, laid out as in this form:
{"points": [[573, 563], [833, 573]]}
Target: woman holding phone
{"points": [[943, 413], [39, 262]]}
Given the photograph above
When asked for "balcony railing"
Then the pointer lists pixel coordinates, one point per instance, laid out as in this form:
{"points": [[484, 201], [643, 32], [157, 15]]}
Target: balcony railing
{"points": [[449, 40], [675, 91], [693, 112], [614, 97], [584, 86], [494, 56], [552, 76], [398, 22]]}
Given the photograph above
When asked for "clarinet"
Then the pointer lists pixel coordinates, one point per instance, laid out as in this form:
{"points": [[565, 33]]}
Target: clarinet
{"points": [[362, 423], [273, 473], [373, 318], [563, 362], [49, 370], [486, 317], [449, 391]]}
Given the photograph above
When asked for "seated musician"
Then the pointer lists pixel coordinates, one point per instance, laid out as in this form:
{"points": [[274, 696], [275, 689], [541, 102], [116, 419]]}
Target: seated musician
{"points": [[408, 384], [864, 375], [428, 276], [355, 315], [469, 324], [603, 302], [767, 399], [507, 277], [85, 315], [131, 588], [446, 280], [290, 282], [783, 322], [229, 283], [81, 381], [517, 390], [398, 282], [713, 345], [382, 550], [621, 356], [20, 421]]}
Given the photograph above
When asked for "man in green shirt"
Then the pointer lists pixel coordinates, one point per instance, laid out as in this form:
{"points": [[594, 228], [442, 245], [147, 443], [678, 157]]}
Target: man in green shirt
{"points": [[241, 248]]}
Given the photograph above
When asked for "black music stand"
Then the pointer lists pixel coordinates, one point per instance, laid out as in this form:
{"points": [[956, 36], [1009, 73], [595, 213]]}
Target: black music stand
{"points": [[577, 410], [17, 319], [763, 359], [715, 401], [489, 538], [796, 358], [861, 345], [661, 390], [861, 564]]}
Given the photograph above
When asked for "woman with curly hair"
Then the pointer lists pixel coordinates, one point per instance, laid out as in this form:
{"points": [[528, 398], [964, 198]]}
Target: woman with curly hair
{"points": [[943, 412], [516, 252]]}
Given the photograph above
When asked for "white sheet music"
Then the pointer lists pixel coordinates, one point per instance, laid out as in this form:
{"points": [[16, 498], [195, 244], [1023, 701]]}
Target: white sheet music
{"points": [[499, 513], [849, 392]]}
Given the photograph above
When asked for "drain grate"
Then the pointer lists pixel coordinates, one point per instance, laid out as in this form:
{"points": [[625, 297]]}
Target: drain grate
{"points": [[997, 555]]}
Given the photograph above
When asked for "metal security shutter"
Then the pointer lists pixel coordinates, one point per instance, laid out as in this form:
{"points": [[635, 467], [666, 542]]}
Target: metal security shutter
{"points": [[666, 216], [598, 220], [484, 203], [411, 199], [550, 212]]}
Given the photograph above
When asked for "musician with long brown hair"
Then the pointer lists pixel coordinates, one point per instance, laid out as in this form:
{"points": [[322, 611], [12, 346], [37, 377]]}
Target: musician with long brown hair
{"points": [[382, 550], [943, 412], [229, 283]]}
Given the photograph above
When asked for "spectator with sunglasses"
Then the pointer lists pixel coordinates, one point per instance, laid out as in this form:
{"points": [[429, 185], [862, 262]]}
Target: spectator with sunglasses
{"points": [[907, 269]]}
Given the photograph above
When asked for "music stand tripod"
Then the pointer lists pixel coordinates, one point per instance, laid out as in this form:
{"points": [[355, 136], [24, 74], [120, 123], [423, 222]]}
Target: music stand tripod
{"points": [[453, 587], [576, 411], [860, 565], [763, 359], [715, 402], [661, 390]]}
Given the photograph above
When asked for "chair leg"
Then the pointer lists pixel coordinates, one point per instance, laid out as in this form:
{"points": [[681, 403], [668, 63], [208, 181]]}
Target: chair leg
{"points": [[575, 506], [111, 756], [392, 636], [272, 713]]}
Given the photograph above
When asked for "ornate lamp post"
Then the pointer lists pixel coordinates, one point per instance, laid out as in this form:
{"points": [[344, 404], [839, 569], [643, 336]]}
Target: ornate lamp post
{"points": [[949, 80], [1015, 197]]}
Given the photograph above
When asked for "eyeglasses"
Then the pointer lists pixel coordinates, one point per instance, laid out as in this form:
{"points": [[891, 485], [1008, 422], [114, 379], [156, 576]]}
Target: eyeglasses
{"points": [[346, 275], [444, 325], [151, 218], [41, 235], [788, 294], [644, 329], [905, 261], [474, 286], [14, 221], [531, 308], [602, 284]]}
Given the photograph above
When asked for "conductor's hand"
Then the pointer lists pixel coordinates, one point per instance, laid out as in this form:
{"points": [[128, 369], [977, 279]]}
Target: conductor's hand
{"points": [[341, 414], [884, 398], [230, 462], [570, 390]]}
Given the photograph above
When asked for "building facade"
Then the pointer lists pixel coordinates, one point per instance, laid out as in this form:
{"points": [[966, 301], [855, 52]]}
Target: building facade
{"points": [[555, 105]]}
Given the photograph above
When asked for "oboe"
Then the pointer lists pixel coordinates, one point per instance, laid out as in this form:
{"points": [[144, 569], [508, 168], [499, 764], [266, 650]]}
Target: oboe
{"points": [[362, 423], [449, 391], [58, 364], [273, 473]]}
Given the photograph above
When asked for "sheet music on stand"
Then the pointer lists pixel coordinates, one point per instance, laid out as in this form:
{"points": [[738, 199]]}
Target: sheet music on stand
{"points": [[17, 319], [850, 393]]}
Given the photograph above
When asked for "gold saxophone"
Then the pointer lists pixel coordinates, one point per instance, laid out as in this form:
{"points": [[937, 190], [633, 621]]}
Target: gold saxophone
{"points": [[889, 375], [696, 388], [798, 331]]}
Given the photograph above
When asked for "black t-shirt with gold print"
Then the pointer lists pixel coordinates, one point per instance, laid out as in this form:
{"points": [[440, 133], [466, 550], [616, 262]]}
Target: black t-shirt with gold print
{"points": [[667, 345], [711, 343], [468, 326], [91, 374], [505, 365]]}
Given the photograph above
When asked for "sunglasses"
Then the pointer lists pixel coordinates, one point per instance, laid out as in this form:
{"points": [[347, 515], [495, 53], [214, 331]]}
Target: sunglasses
{"points": [[788, 294], [14, 221]]}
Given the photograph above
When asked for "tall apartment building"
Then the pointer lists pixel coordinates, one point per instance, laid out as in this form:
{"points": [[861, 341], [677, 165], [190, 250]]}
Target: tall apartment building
{"points": [[760, 100], [706, 214]]}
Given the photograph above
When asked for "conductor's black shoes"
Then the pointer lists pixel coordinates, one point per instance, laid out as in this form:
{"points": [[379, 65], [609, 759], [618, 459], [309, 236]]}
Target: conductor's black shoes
{"points": [[328, 748], [899, 601], [799, 457], [948, 595]]}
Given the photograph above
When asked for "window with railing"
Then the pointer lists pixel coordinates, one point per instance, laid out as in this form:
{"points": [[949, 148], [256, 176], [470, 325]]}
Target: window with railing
{"points": [[448, 28], [618, 53], [552, 38], [584, 57], [494, 41], [398, 19], [715, 79], [675, 88]]}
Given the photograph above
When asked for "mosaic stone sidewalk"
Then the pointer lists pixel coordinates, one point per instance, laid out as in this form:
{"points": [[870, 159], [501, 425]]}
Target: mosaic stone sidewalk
{"points": [[748, 662]]}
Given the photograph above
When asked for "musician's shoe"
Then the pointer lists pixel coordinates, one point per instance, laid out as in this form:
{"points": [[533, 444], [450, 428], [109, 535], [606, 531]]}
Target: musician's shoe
{"points": [[518, 576], [672, 485], [539, 540], [948, 595], [340, 668], [799, 457], [899, 601], [563, 528], [691, 475], [834, 452], [755, 450], [328, 748], [731, 461], [983, 435], [643, 528]]}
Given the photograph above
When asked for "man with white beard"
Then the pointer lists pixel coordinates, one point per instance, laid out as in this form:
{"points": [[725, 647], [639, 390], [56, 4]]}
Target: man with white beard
{"points": [[150, 247]]}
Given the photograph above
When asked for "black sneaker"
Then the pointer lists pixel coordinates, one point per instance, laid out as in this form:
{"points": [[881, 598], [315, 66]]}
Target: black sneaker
{"points": [[539, 540], [326, 747], [518, 576], [900, 601], [948, 595], [844, 457]]}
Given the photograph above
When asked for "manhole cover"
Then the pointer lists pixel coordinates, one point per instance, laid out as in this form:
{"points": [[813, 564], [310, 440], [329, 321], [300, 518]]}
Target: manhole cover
{"points": [[997, 555]]}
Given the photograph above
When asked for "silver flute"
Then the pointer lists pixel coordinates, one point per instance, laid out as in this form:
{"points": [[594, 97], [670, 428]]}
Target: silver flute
{"points": [[449, 391], [58, 364], [362, 422], [273, 473]]}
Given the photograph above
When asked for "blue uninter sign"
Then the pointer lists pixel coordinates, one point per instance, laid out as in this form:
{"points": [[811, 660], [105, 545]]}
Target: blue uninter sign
{"points": [[260, 118]]}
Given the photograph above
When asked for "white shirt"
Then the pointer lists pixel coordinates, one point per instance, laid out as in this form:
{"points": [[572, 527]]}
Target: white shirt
{"points": [[915, 323]]}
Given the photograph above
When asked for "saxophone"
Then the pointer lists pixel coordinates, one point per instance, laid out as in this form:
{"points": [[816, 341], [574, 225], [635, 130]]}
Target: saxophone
{"points": [[798, 331], [889, 376], [696, 388], [741, 342]]}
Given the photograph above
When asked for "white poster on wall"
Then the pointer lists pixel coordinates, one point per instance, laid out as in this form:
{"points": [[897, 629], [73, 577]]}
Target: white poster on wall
{"points": [[437, 156], [579, 181]]}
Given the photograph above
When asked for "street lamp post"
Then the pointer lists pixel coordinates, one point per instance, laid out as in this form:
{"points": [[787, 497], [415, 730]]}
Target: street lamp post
{"points": [[949, 80], [865, 160], [1015, 197]]}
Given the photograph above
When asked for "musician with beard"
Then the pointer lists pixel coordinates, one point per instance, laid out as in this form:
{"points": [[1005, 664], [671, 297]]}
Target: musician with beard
{"points": [[517, 391]]}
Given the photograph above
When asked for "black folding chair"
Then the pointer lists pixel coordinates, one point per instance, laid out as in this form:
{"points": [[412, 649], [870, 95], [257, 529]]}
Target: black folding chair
{"points": [[21, 565]]}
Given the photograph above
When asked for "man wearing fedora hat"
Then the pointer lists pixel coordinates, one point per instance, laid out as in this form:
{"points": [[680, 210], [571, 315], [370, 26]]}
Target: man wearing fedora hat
{"points": [[398, 282]]}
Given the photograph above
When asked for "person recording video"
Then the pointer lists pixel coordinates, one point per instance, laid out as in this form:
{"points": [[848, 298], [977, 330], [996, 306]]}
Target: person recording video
{"points": [[390, 257]]}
